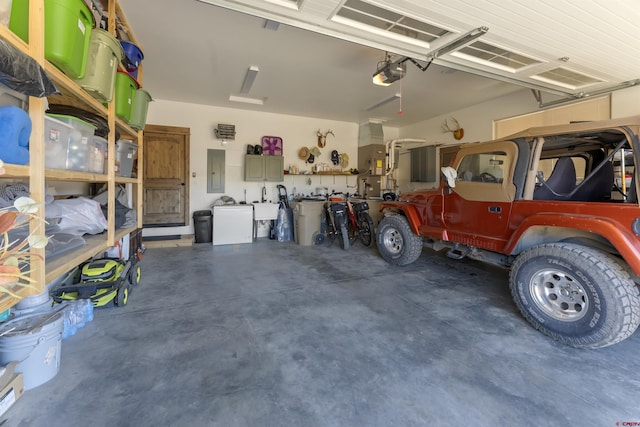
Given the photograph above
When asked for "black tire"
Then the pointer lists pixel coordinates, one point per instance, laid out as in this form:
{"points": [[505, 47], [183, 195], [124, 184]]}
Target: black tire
{"points": [[122, 296], [396, 242], [318, 238], [353, 232], [577, 295], [135, 275], [365, 226], [344, 237]]}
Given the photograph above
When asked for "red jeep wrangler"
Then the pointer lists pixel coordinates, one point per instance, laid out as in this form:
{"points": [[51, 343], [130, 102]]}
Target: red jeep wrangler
{"points": [[558, 206]]}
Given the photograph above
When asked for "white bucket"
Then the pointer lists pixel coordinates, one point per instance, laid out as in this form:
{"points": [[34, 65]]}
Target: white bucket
{"points": [[34, 342]]}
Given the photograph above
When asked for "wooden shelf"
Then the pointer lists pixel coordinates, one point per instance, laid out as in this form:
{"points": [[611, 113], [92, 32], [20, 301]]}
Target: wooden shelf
{"points": [[59, 265], [321, 174], [7, 301], [94, 245], [14, 40], [36, 173], [15, 171], [125, 180], [121, 232], [68, 175]]}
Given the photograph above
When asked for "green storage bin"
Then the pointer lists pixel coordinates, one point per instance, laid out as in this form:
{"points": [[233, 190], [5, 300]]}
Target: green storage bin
{"points": [[126, 88], [68, 27], [140, 108], [105, 53]]}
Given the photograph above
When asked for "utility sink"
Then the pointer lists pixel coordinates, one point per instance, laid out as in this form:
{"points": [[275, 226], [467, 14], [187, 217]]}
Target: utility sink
{"points": [[265, 211]]}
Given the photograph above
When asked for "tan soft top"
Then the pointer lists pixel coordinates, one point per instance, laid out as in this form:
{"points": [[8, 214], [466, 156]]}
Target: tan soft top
{"points": [[632, 122]]}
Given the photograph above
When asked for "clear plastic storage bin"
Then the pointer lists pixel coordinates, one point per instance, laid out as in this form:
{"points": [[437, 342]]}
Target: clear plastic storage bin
{"points": [[80, 141], [125, 153], [56, 143], [98, 155]]}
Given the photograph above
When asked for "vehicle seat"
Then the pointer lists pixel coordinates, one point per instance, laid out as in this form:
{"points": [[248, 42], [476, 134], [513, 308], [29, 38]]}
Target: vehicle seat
{"points": [[561, 181], [596, 188]]}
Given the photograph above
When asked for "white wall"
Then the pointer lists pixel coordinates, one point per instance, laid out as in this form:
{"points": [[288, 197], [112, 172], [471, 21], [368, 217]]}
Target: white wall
{"points": [[297, 132], [625, 102], [477, 122], [251, 126]]}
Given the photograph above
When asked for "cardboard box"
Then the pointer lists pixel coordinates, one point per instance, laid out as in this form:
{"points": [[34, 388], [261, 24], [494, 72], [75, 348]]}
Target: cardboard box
{"points": [[12, 387]]}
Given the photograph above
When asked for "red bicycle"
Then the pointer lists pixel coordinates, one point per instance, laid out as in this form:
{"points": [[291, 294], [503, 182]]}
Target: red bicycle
{"points": [[360, 224]]}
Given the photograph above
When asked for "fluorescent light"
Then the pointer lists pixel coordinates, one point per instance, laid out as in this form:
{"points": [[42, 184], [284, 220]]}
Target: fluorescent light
{"points": [[249, 78], [458, 42], [256, 101], [271, 25], [384, 101]]}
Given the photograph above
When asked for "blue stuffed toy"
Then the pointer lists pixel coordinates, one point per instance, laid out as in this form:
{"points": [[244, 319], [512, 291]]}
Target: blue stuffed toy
{"points": [[15, 130]]}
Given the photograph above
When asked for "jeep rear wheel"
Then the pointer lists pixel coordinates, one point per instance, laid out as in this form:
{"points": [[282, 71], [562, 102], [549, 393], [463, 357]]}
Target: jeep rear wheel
{"points": [[396, 242], [577, 295]]}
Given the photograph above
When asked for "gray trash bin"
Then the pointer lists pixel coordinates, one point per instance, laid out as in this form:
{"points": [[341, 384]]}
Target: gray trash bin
{"points": [[203, 226]]}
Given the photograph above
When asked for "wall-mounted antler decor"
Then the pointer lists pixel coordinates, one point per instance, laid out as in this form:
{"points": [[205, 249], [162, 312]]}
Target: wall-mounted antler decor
{"points": [[457, 131], [322, 137]]}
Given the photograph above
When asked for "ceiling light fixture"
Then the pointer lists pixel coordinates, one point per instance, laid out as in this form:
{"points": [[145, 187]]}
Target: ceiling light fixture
{"points": [[384, 101], [271, 25], [388, 72], [256, 101], [249, 78]]}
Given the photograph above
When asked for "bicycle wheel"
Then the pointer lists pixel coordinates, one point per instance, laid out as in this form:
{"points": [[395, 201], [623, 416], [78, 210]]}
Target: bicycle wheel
{"points": [[344, 237], [365, 227], [352, 230]]}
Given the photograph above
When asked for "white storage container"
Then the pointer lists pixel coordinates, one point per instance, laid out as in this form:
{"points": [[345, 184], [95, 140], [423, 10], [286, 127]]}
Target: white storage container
{"points": [[125, 153]]}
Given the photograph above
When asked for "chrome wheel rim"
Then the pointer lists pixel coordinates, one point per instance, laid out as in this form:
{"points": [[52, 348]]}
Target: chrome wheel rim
{"points": [[392, 240], [559, 295]]}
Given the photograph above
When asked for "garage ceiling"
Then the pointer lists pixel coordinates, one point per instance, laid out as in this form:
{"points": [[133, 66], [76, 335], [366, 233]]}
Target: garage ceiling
{"points": [[316, 58]]}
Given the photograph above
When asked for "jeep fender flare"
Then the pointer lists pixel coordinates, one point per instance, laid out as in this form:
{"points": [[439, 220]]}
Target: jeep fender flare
{"points": [[623, 241], [409, 211]]}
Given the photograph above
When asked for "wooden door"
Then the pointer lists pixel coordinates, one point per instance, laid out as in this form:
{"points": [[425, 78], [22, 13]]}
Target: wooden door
{"points": [[165, 176]]}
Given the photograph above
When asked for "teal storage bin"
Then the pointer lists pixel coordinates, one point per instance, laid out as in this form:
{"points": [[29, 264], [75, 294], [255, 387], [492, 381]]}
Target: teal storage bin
{"points": [[140, 108], [68, 27]]}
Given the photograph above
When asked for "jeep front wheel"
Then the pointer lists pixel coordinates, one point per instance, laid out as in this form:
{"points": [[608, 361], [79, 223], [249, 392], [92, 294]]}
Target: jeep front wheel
{"points": [[577, 295], [396, 242]]}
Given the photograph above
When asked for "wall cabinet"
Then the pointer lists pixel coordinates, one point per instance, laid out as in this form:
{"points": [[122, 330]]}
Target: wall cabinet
{"points": [[43, 271], [263, 168], [423, 164]]}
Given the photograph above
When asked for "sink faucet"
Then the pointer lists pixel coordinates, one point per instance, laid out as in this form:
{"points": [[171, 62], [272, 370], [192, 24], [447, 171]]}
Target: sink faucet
{"points": [[264, 194]]}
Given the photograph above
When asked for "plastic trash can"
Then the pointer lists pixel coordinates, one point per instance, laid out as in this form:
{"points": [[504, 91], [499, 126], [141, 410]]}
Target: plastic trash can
{"points": [[203, 225]]}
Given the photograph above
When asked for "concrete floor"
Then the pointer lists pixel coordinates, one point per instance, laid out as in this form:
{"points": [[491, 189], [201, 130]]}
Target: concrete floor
{"points": [[274, 334]]}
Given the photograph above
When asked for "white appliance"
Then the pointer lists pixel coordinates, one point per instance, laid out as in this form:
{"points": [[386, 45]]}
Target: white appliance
{"points": [[232, 224]]}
